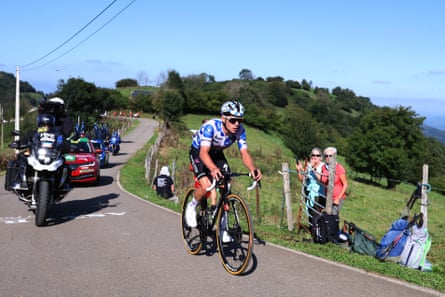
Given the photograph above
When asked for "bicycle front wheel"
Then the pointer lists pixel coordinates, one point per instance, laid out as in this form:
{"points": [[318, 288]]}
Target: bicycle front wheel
{"points": [[191, 236], [234, 235]]}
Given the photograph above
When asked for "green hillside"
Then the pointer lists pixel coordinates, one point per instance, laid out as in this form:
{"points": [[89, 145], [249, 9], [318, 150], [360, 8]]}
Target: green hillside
{"points": [[372, 208]]}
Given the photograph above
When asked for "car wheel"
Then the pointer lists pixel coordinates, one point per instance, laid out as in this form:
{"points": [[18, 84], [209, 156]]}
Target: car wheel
{"points": [[96, 183]]}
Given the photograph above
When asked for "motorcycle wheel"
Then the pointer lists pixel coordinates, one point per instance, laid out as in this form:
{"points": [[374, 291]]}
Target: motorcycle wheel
{"points": [[42, 204]]}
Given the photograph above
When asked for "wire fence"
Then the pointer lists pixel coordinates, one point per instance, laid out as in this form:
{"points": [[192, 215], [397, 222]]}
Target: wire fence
{"points": [[316, 197]]}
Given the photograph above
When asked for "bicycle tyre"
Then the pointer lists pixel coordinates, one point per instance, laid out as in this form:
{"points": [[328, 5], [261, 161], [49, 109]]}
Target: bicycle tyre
{"points": [[191, 236], [235, 256]]}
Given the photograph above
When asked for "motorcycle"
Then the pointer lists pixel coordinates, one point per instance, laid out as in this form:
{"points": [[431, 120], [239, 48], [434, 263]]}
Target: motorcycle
{"points": [[38, 175], [114, 144]]}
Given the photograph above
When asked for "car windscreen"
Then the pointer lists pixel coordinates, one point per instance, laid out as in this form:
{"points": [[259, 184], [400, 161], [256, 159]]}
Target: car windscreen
{"points": [[97, 145], [80, 147]]}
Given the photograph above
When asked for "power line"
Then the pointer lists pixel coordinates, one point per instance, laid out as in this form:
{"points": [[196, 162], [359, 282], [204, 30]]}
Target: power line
{"points": [[88, 37], [75, 34]]}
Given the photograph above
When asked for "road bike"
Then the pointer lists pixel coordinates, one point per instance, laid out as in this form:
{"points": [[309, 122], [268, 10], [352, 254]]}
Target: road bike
{"points": [[231, 215]]}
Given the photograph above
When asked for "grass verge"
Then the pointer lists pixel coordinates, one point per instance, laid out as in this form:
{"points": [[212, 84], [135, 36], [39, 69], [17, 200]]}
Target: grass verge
{"points": [[371, 207]]}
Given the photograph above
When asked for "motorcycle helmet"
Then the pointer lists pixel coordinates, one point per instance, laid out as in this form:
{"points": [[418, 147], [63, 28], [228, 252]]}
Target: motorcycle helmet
{"points": [[57, 100], [232, 108], [55, 106], [45, 119]]}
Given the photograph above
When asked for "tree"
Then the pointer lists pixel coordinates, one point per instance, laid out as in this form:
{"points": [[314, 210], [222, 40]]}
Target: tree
{"points": [[110, 99], [142, 78], [85, 100], [126, 82], [277, 93], [172, 104], [142, 103], [388, 143], [174, 81], [293, 84], [300, 131], [245, 74], [274, 79], [306, 85], [79, 95]]}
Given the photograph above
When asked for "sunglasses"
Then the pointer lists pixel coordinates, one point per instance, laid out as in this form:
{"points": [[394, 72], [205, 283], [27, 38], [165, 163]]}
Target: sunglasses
{"points": [[327, 156], [234, 120], [314, 155]]}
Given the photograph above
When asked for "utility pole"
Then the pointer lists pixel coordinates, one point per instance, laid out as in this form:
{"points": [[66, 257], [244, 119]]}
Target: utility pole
{"points": [[17, 105], [1, 116]]}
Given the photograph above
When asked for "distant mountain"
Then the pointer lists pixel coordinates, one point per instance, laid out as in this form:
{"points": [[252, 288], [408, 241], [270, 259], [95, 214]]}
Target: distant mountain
{"points": [[437, 122], [433, 132]]}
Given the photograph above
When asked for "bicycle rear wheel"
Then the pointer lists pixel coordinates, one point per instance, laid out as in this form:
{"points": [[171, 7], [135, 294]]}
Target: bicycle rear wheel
{"points": [[191, 236], [235, 254]]}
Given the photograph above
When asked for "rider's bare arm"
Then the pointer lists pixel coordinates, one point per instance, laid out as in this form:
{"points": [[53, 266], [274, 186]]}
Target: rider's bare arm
{"points": [[207, 160], [248, 162]]}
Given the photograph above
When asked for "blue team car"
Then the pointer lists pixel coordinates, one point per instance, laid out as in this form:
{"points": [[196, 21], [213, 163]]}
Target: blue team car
{"points": [[102, 152]]}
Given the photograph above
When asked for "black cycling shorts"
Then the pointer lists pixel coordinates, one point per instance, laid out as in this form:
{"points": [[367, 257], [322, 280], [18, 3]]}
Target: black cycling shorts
{"points": [[200, 170]]}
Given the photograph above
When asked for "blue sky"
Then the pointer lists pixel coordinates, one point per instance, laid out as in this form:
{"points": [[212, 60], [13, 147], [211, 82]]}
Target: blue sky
{"points": [[389, 51]]}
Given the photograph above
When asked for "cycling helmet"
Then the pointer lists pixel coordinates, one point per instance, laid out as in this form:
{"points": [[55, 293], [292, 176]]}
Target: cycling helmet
{"points": [[232, 108], [45, 119]]}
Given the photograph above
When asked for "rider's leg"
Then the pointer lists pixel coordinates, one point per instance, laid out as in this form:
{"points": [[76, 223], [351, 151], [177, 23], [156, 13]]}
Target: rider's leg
{"points": [[212, 197], [200, 172], [200, 191]]}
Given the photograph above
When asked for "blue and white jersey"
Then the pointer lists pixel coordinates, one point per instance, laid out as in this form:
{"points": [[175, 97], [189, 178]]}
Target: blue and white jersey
{"points": [[212, 134]]}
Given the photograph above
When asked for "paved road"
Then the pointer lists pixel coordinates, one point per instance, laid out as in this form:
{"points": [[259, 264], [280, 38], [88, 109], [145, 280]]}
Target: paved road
{"points": [[103, 241]]}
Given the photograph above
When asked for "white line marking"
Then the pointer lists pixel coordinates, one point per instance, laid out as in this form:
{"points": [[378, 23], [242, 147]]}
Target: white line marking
{"points": [[29, 219]]}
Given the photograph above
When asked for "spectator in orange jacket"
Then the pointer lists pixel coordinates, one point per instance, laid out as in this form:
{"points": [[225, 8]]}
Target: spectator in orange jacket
{"points": [[340, 181]]}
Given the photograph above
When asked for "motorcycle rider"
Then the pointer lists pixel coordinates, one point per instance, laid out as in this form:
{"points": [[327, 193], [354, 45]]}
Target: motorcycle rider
{"points": [[63, 123], [115, 140], [56, 107]]}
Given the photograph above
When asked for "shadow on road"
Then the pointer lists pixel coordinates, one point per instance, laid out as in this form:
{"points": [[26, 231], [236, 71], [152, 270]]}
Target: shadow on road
{"points": [[104, 181], [210, 249], [115, 164], [70, 210]]}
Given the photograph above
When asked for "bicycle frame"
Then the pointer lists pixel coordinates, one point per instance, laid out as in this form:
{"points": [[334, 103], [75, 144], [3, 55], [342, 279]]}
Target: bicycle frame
{"points": [[230, 224], [225, 189]]}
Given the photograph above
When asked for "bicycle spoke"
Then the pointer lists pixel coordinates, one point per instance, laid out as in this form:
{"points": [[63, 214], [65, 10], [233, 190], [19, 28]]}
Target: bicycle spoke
{"points": [[191, 236], [235, 255]]}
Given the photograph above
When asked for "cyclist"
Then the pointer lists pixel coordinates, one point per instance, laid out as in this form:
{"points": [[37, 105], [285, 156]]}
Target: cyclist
{"points": [[206, 153]]}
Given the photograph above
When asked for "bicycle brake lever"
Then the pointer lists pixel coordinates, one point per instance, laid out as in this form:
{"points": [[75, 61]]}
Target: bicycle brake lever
{"points": [[212, 186], [252, 186]]}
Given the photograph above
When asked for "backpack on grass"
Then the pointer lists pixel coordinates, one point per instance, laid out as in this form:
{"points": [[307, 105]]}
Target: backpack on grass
{"points": [[325, 228], [394, 240], [416, 249], [360, 241]]}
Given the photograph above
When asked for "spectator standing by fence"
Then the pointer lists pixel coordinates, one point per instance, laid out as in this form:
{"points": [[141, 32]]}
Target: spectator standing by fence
{"points": [[340, 180], [164, 186], [314, 190]]}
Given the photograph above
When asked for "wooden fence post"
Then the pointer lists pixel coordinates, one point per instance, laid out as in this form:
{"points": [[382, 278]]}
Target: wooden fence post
{"points": [[148, 164], [173, 170], [285, 172], [424, 201], [155, 173], [257, 196], [330, 191]]}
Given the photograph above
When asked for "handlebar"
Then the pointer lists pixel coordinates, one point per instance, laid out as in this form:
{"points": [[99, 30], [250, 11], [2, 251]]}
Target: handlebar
{"points": [[254, 184], [212, 186]]}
